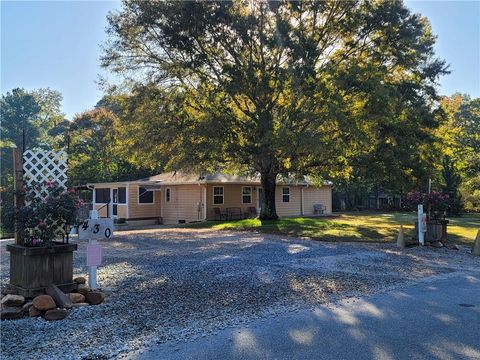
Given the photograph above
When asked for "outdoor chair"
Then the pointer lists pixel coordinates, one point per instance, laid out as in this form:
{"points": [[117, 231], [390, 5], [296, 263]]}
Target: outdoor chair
{"points": [[251, 212], [218, 215], [318, 209]]}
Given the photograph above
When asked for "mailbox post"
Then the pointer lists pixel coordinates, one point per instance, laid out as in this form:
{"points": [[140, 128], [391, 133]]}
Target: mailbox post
{"points": [[93, 229]]}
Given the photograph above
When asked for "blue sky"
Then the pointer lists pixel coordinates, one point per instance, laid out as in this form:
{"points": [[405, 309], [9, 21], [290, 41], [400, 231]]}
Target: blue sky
{"points": [[57, 45]]}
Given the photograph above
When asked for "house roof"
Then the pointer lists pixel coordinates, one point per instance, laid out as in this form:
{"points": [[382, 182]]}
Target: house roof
{"points": [[180, 178]]}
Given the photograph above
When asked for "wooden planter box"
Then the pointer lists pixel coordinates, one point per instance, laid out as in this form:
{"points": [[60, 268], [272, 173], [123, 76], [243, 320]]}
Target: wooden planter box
{"points": [[32, 269], [436, 230]]}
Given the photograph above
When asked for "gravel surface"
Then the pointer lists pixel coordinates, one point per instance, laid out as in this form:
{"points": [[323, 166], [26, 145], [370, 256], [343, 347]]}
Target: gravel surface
{"points": [[181, 284]]}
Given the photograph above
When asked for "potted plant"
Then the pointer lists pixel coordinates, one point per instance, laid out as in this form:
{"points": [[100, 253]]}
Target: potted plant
{"points": [[45, 257]]}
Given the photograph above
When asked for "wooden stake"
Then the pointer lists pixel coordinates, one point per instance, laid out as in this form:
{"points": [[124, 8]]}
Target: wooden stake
{"points": [[18, 200]]}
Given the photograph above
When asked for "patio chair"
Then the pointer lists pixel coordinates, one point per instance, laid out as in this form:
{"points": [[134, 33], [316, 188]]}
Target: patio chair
{"points": [[218, 215], [318, 209], [251, 212]]}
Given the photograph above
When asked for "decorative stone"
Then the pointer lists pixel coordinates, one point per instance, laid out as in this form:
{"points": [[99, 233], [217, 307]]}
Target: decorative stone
{"points": [[95, 297], [33, 311], [80, 280], [9, 289], [436, 244], [44, 302], [13, 300], [27, 306], [11, 312], [55, 314], [80, 304], [83, 289], [60, 298], [76, 298]]}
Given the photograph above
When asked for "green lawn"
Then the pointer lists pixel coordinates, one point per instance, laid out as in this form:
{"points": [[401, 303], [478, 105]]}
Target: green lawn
{"points": [[357, 226]]}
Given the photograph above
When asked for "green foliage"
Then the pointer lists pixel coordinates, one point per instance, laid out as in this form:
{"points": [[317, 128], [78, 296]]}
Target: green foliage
{"points": [[459, 141], [452, 187], [95, 153], [279, 88], [6, 204]]}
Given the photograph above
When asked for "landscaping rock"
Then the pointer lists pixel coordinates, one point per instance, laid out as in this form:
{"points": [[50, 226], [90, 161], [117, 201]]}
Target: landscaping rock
{"points": [[27, 306], [436, 244], [44, 302], [95, 297], [80, 280], [76, 298], [11, 312], [60, 298], [83, 289], [13, 300], [9, 289], [55, 314], [34, 312], [80, 304]]}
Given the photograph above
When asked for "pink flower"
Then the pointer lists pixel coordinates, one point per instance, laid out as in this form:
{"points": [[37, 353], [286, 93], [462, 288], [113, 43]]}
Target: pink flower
{"points": [[41, 225]]}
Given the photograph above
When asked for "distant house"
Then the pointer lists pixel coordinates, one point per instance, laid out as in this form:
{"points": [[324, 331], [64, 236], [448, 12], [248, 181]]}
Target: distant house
{"points": [[175, 197]]}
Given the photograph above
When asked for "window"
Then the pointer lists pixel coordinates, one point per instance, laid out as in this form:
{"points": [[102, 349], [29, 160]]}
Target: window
{"points": [[102, 196], [168, 194], [218, 195], [246, 195], [122, 195], [286, 194], [144, 196]]}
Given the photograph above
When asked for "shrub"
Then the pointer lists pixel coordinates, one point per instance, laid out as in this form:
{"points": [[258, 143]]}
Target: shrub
{"points": [[45, 218]]}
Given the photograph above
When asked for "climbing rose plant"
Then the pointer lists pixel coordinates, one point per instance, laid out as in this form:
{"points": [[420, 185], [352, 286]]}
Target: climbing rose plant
{"points": [[44, 219]]}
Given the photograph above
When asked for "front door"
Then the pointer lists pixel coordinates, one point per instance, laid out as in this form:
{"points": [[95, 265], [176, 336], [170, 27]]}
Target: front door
{"points": [[260, 200], [114, 202]]}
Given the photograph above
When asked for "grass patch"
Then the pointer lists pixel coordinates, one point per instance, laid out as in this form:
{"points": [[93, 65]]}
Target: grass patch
{"points": [[358, 226]]}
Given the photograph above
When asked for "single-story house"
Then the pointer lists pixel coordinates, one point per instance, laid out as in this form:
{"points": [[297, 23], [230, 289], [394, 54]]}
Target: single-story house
{"points": [[175, 197]]}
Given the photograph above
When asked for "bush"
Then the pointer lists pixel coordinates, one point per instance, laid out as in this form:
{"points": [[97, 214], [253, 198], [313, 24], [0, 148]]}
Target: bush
{"points": [[44, 219]]}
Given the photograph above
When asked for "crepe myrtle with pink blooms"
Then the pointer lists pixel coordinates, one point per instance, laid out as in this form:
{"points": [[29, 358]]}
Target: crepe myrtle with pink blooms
{"points": [[44, 219]]}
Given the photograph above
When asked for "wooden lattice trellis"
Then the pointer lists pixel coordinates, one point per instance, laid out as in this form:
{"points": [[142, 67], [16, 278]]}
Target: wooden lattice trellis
{"points": [[41, 166]]}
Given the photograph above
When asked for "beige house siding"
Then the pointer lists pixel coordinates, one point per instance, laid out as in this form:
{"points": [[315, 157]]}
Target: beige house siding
{"points": [[232, 197], [314, 196], [137, 210], [185, 203], [292, 208]]}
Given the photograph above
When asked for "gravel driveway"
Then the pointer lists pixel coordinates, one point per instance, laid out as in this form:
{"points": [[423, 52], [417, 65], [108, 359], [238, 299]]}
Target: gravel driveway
{"points": [[180, 284]]}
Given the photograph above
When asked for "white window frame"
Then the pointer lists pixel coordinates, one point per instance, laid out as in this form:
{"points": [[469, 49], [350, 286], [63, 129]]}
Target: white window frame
{"points": [[138, 197], [213, 195], [289, 193], [251, 195], [169, 197]]}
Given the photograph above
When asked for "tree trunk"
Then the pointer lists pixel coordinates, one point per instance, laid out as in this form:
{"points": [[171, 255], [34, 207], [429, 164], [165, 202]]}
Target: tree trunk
{"points": [[269, 210]]}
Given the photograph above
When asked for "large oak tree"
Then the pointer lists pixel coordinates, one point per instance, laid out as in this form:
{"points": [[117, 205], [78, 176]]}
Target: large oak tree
{"points": [[279, 88]]}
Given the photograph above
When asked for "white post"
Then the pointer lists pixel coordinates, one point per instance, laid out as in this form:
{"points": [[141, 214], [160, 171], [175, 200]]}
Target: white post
{"points": [[421, 234], [204, 201], [92, 270], [302, 202]]}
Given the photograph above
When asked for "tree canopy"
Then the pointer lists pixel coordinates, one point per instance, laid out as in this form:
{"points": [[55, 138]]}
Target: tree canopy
{"points": [[278, 88]]}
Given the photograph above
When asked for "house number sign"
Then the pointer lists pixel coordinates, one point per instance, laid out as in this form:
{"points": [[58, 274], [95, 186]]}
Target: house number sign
{"points": [[95, 229]]}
